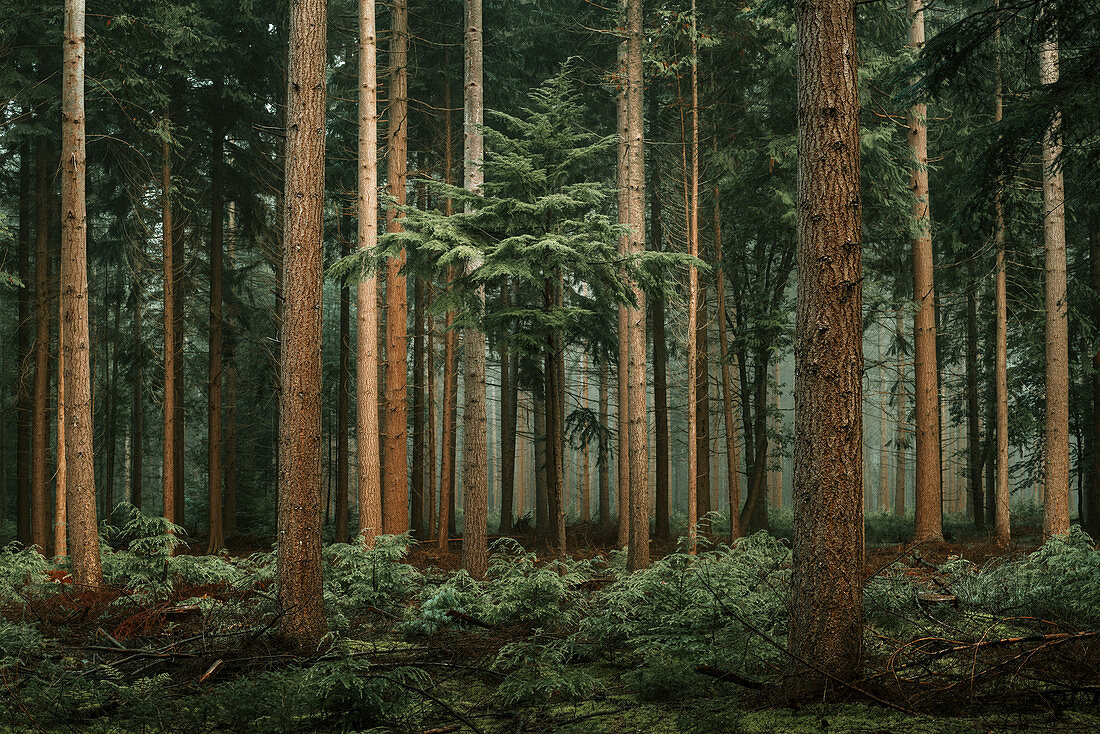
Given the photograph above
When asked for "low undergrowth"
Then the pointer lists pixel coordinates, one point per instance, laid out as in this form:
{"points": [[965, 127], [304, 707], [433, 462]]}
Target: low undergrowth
{"points": [[696, 643]]}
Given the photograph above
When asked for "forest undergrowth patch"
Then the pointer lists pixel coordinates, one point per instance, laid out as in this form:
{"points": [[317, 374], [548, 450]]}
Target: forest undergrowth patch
{"points": [[696, 643]]}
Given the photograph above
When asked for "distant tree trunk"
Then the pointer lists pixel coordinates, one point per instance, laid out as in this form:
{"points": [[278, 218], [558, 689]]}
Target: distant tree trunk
{"points": [[929, 486], [883, 504], [542, 515], [622, 394], [1056, 502], [450, 440], [40, 499], [343, 400], [475, 460], [215, 468], [168, 472], [1093, 514], [660, 359], [691, 211], [509, 400], [733, 468], [112, 410], [80, 473], [601, 460], [24, 396], [900, 440], [302, 619], [368, 471], [418, 403], [555, 528], [973, 419], [137, 409], [395, 489], [430, 501], [638, 556], [585, 495], [702, 401], [230, 438], [827, 607]]}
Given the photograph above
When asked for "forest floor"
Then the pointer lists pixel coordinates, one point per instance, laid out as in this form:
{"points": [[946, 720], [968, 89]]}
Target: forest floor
{"points": [[960, 637]]}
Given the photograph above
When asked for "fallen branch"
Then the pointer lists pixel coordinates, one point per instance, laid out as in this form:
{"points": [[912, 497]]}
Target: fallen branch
{"points": [[455, 614], [730, 676]]}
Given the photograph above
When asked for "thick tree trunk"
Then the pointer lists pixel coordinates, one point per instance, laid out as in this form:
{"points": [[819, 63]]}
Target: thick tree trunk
{"points": [[215, 468], [25, 394], [61, 512], [40, 498], [368, 471], [638, 556], [1056, 475], [83, 530], [929, 485], [430, 500], [827, 608], [302, 618], [395, 480], [475, 461]]}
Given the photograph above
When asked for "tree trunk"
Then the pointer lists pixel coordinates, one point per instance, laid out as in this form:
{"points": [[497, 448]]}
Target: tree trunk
{"points": [[230, 431], [475, 463], [622, 395], [170, 489], [25, 395], [1056, 502], [585, 492], [883, 504], [418, 417], [1093, 509], [83, 529], [660, 361], [61, 512], [542, 515], [368, 472], [40, 499], [509, 417], [638, 557], [109, 396], [430, 500], [215, 470], [691, 193], [733, 468], [395, 481], [973, 422], [302, 618], [929, 486], [827, 609], [343, 398], [900, 434], [601, 460]]}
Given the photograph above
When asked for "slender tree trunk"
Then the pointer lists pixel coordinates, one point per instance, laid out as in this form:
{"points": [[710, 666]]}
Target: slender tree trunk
{"points": [[137, 410], [418, 406], [1056, 503], [395, 487], [168, 471], [542, 515], [691, 190], [343, 399], [827, 609], [430, 501], [1093, 513], [900, 434], [25, 394], [61, 511], [215, 468], [302, 617], [601, 460], [660, 360], [40, 499], [883, 504], [585, 494], [83, 529], [973, 418], [733, 468], [509, 399], [622, 395], [702, 401], [112, 410], [929, 486], [368, 471]]}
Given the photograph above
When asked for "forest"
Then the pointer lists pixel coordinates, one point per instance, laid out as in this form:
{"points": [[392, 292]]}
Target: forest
{"points": [[516, 366]]}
